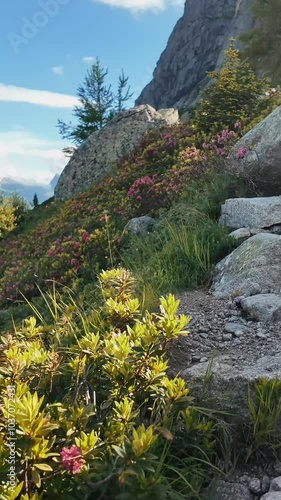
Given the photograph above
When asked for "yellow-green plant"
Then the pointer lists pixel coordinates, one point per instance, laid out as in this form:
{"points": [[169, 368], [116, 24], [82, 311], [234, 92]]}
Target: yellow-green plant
{"points": [[88, 407], [7, 215], [265, 412]]}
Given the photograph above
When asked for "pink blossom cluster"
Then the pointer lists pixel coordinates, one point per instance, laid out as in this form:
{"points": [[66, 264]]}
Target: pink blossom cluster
{"points": [[139, 183], [191, 153], [168, 140], [86, 237], [221, 142], [72, 459], [242, 152], [225, 136]]}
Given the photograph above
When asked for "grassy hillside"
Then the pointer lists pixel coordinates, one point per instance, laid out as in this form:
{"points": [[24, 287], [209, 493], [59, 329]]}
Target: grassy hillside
{"points": [[84, 340], [71, 242]]}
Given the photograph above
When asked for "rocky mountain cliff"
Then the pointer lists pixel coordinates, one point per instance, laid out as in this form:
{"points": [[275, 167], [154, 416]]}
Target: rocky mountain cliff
{"points": [[196, 45]]}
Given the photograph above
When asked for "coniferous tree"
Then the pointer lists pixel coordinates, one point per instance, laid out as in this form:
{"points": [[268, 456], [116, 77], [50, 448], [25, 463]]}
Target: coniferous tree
{"points": [[98, 104], [233, 95], [35, 201]]}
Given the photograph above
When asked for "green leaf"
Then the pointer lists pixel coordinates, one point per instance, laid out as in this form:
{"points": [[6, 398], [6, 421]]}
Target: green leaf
{"points": [[44, 467], [36, 478]]}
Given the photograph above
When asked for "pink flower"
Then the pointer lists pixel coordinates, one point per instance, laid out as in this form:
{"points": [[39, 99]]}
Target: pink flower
{"points": [[71, 459], [51, 253], [242, 151], [139, 198], [237, 125], [73, 262], [85, 236], [103, 218]]}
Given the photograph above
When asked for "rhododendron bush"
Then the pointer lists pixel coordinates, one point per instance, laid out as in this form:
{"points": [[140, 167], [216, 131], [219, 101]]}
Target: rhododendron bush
{"points": [[95, 414]]}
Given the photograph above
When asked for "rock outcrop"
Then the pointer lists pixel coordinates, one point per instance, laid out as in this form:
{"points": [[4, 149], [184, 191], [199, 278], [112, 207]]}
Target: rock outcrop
{"points": [[258, 213], [104, 147], [252, 268], [261, 162], [196, 46], [227, 388]]}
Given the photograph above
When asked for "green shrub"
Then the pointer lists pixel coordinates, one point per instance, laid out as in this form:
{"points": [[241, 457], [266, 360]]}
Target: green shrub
{"points": [[236, 94], [264, 436], [94, 412]]}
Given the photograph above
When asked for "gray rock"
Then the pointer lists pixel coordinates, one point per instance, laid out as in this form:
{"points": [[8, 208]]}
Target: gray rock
{"points": [[255, 485], [203, 360], [103, 148], [228, 384], [277, 467], [265, 484], [262, 163], [275, 484], [234, 328], [140, 226], [229, 491], [227, 337], [195, 46], [242, 213], [170, 115], [252, 268], [272, 495], [261, 335], [242, 232], [263, 307]]}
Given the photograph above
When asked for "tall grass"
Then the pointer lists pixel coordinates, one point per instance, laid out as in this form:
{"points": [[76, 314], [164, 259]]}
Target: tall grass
{"points": [[179, 256]]}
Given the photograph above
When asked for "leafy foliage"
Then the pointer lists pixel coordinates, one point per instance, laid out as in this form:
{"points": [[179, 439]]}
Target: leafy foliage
{"points": [[96, 415], [264, 436], [7, 215]]}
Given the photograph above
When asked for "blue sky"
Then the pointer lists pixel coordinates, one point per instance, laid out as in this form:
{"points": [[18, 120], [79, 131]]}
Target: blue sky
{"points": [[46, 47]]}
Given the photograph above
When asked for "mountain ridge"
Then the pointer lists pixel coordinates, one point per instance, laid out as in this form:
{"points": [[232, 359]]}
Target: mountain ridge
{"points": [[195, 46]]}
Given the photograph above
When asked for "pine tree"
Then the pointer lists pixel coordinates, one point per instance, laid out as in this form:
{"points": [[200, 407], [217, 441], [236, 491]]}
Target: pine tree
{"points": [[234, 95], [35, 201], [98, 104]]}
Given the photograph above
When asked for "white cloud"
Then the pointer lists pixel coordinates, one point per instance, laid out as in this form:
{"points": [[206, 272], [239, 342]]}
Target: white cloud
{"points": [[58, 70], [10, 93], [89, 59], [142, 5], [24, 156]]}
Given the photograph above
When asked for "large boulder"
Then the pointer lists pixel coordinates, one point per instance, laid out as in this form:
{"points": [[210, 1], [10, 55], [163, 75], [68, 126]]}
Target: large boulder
{"points": [[141, 226], [104, 147], [226, 382], [254, 267], [251, 213], [262, 162]]}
